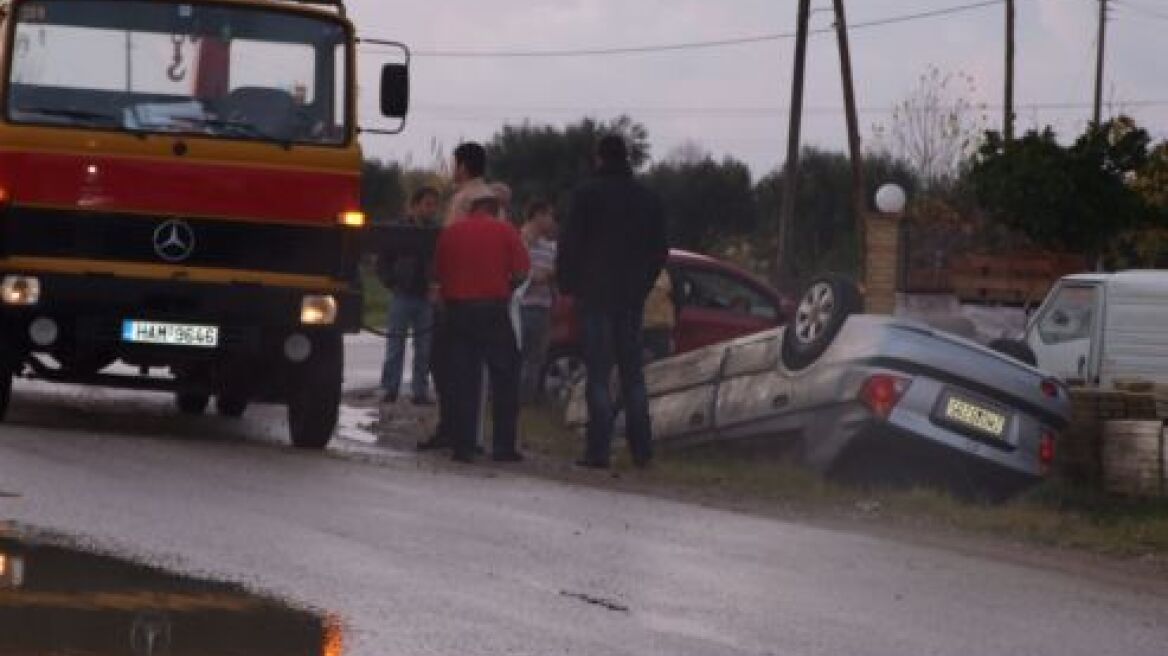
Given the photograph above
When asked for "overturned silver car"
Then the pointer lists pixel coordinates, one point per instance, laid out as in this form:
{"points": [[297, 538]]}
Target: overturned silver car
{"points": [[866, 397]]}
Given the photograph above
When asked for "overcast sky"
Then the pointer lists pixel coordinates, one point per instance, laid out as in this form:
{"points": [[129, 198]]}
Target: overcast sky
{"points": [[733, 100]]}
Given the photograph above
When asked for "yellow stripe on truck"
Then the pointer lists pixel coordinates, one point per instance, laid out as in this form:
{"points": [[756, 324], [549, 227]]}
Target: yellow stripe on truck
{"points": [[80, 267]]}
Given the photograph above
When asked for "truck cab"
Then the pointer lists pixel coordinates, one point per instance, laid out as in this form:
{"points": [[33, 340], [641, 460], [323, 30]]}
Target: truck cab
{"points": [[1097, 329], [180, 200]]}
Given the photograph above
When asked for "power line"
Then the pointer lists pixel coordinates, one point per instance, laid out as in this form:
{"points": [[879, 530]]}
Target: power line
{"points": [[1141, 9], [697, 45], [483, 111]]}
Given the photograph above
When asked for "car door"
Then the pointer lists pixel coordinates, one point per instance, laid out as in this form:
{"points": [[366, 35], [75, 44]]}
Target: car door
{"points": [[1062, 334], [715, 306]]}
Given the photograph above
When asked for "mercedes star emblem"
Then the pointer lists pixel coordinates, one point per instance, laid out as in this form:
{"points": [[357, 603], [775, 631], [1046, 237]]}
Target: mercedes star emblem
{"points": [[174, 241]]}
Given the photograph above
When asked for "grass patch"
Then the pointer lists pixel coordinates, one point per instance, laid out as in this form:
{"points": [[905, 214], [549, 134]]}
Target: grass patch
{"points": [[376, 298], [743, 476]]}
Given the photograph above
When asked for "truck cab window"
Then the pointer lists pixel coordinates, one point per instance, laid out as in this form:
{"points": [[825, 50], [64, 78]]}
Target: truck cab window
{"points": [[210, 70], [1071, 315]]}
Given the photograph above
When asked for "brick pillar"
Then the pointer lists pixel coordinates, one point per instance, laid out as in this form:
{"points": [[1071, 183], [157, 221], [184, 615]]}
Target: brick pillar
{"points": [[881, 253]]}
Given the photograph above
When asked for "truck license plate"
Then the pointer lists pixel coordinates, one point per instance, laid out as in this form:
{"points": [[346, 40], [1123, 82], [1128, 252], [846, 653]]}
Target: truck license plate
{"points": [[170, 334], [976, 416]]}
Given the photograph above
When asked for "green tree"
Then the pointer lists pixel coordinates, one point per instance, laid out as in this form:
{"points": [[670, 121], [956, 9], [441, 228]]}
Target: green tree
{"points": [[824, 233], [1072, 198], [541, 161], [383, 196], [706, 201]]}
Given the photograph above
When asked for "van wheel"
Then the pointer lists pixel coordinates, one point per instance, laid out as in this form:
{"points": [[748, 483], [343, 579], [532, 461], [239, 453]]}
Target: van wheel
{"points": [[822, 311], [230, 406], [191, 403], [315, 396], [1016, 349]]}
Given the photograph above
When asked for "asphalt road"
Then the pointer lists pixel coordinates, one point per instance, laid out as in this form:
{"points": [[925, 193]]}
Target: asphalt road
{"points": [[424, 559]]}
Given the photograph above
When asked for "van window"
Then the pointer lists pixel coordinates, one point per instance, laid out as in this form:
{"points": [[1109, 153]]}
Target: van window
{"points": [[1071, 315]]}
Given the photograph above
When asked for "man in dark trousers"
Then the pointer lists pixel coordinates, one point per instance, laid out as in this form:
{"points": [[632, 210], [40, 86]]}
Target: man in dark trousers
{"points": [[469, 167], [410, 313], [480, 261], [612, 249]]}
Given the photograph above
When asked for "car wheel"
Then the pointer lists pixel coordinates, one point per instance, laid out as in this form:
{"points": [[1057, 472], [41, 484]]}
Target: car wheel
{"points": [[314, 398], [190, 403], [1016, 349], [230, 406], [563, 372], [821, 312]]}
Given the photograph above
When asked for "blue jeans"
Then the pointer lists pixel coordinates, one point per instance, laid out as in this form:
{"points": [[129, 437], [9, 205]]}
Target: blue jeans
{"points": [[408, 314], [612, 337]]}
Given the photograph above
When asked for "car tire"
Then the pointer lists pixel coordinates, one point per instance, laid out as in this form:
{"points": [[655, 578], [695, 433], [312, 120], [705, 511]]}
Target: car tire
{"points": [[314, 398], [824, 307], [1016, 349], [230, 406], [190, 403]]}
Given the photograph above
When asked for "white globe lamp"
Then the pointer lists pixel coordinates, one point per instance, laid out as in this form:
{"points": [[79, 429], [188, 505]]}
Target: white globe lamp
{"points": [[891, 199]]}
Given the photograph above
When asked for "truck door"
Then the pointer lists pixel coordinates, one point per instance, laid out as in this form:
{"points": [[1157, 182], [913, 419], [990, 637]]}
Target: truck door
{"points": [[1062, 334]]}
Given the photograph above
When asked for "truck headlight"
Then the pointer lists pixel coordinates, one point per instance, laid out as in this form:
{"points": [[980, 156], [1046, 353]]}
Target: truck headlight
{"points": [[20, 290], [318, 311]]}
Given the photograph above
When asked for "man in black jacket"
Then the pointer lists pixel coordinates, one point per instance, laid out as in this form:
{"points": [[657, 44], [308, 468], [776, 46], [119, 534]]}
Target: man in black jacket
{"points": [[612, 249], [408, 276]]}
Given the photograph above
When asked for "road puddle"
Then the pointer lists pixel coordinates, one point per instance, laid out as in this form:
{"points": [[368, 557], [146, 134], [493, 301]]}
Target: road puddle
{"points": [[56, 601]]}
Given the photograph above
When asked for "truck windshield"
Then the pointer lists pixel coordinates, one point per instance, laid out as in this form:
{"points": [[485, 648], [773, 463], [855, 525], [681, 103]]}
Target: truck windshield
{"points": [[165, 67]]}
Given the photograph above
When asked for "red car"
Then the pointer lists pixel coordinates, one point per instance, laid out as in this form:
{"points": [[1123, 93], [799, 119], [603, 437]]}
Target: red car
{"points": [[716, 301]]}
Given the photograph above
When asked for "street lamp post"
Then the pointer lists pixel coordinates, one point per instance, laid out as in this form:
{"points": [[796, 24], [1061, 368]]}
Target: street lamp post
{"points": [[882, 248]]}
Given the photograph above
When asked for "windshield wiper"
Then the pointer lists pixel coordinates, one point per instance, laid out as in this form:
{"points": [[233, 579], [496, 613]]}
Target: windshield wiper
{"points": [[244, 129], [79, 114]]}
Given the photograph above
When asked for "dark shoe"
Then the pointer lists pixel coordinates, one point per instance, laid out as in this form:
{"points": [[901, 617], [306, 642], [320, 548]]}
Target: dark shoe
{"points": [[434, 443], [592, 463], [389, 398], [513, 456], [643, 462], [464, 458], [423, 401]]}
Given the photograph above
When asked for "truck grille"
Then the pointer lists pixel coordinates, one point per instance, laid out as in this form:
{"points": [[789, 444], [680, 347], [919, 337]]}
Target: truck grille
{"points": [[223, 244]]}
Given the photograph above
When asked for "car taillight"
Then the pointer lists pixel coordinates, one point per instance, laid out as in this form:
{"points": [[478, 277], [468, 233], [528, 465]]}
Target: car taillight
{"points": [[1046, 449], [1050, 389], [882, 392]]}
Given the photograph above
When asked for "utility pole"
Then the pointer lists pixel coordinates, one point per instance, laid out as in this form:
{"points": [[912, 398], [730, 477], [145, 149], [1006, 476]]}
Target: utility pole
{"points": [[859, 195], [1099, 62], [1008, 118], [784, 266]]}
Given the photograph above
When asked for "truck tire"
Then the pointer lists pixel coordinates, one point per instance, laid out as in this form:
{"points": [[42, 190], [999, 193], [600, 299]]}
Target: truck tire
{"points": [[314, 398], [822, 311], [1016, 349], [230, 405], [5, 390], [192, 403]]}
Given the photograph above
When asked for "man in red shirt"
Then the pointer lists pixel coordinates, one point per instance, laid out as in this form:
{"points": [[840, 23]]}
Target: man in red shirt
{"points": [[479, 261]]}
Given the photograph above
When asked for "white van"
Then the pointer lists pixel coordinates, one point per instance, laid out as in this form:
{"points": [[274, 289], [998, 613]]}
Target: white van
{"points": [[1095, 329]]}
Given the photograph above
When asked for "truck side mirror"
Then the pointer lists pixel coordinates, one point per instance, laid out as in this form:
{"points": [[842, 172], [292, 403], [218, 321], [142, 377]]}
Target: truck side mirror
{"points": [[395, 90]]}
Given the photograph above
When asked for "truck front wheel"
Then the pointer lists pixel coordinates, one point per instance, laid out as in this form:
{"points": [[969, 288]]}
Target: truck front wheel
{"points": [[5, 390], [192, 403], [314, 398]]}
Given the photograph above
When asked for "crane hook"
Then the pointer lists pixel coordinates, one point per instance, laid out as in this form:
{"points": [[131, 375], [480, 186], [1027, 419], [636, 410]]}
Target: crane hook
{"points": [[177, 71]]}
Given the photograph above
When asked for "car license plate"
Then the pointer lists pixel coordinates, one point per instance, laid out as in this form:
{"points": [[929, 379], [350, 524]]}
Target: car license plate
{"points": [[170, 334], [977, 416]]}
